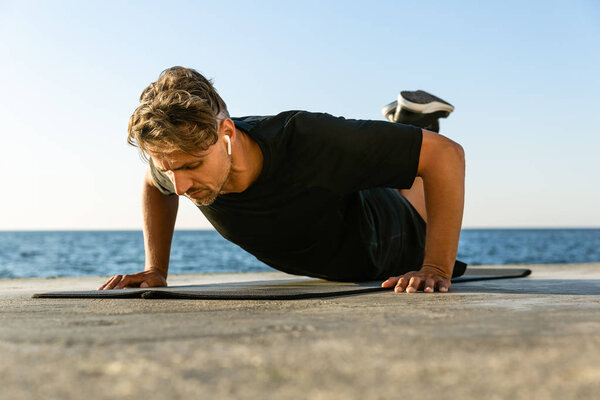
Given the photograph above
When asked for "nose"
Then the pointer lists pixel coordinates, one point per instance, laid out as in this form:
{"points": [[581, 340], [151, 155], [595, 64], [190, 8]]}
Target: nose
{"points": [[181, 182]]}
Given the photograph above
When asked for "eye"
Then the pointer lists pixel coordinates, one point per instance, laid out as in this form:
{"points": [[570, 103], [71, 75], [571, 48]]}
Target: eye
{"points": [[194, 166]]}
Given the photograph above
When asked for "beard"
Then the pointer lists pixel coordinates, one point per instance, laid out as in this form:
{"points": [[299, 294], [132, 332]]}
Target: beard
{"points": [[206, 200], [211, 195]]}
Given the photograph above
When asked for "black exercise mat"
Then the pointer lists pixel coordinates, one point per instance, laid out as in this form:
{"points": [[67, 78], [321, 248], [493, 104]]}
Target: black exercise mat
{"points": [[486, 274], [301, 288]]}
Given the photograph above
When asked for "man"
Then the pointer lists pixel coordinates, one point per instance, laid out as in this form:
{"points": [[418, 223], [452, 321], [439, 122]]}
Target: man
{"points": [[306, 193]]}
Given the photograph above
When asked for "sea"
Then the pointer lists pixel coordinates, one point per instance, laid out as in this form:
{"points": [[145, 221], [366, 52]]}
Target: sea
{"points": [[48, 254]]}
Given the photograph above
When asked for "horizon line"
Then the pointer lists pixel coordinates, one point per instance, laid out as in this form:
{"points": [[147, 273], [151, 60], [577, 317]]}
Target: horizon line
{"points": [[213, 229]]}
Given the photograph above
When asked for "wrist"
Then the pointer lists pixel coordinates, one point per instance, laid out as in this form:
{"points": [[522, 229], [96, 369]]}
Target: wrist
{"points": [[161, 271], [446, 272]]}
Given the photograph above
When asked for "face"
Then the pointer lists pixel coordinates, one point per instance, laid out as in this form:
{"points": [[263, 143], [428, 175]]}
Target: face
{"points": [[200, 177]]}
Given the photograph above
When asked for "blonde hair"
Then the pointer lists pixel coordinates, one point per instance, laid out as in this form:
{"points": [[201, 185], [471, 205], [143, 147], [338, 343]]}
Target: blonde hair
{"points": [[180, 111]]}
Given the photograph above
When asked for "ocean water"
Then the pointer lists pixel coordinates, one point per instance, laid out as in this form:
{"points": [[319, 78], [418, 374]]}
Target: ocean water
{"points": [[25, 254]]}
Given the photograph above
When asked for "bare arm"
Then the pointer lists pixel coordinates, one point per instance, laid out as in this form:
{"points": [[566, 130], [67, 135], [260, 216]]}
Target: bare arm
{"points": [[442, 167], [159, 213]]}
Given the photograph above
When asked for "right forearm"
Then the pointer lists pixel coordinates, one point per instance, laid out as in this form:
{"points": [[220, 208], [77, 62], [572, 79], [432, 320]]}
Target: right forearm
{"points": [[159, 213]]}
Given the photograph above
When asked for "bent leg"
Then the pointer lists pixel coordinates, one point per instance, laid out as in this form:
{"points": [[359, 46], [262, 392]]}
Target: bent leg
{"points": [[416, 197]]}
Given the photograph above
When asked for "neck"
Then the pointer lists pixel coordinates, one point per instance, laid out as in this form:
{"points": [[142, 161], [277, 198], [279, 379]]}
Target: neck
{"points": [[246, 163]]}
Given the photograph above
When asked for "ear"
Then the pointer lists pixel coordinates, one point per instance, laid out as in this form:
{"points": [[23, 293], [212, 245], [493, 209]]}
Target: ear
{"points": [[227, 127]]}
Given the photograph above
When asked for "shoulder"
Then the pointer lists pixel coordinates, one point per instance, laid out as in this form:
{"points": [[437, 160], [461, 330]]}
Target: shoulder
{"points": [[251, 123], [276, 133]]}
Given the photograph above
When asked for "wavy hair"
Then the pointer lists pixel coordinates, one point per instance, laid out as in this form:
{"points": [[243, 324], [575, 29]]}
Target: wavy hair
{"points": [[180, 111]]}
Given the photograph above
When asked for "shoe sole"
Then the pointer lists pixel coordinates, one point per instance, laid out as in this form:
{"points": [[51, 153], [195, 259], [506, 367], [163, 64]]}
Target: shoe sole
{"points": [[389, 111], [423, 102]]}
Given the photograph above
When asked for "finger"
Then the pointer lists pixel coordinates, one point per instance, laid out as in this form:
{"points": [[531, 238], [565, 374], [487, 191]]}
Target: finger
{"points": [[404, 283], [115, 282], [112, 282], [125, 280], [443, 285], [414, 284], [131, 280], [389, 282], [429, 285], [401, 285], [103, 285], [144, 284]]}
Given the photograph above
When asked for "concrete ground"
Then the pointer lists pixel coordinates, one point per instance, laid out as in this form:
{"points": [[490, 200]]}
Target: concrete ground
{"points": [[528, 338]]}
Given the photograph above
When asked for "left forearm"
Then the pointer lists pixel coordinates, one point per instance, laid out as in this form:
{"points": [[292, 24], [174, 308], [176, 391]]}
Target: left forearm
{"points": [[444, 201]]}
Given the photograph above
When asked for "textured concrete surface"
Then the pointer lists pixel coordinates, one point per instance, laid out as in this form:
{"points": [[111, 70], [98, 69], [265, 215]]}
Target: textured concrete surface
{"points": [[531, 338]]}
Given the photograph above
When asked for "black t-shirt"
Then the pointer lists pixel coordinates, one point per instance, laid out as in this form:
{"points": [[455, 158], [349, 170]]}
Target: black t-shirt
{"points": [[302, 215]]}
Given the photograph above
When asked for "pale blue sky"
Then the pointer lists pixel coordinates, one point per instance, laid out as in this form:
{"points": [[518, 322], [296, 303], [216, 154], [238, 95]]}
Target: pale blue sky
{"points": [[524, 77]]}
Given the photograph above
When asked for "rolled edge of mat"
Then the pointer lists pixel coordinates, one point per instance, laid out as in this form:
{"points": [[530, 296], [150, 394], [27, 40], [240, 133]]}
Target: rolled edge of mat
{"points": [[510, 274]]}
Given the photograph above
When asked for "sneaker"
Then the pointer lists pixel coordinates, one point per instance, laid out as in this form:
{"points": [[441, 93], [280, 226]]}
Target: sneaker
{"points": [[418, 108]]}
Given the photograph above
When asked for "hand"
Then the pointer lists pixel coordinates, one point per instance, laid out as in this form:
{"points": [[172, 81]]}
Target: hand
{"points": [[142, 279], [428, 279]]}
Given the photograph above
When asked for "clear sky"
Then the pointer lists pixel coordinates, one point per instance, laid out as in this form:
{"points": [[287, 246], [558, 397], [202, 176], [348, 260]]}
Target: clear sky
{"points": [[524, 77]]}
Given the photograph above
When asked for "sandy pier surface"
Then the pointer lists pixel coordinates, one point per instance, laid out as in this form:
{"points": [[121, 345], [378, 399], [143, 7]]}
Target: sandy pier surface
{"points": [[530, 338]]}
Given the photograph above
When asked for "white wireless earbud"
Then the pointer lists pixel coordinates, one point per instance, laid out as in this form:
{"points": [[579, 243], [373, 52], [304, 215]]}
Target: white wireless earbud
{"points": [[228, 144]]}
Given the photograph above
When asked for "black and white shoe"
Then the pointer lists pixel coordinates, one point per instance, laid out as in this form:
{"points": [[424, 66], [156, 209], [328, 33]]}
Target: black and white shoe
{"points": [[418, 108]]}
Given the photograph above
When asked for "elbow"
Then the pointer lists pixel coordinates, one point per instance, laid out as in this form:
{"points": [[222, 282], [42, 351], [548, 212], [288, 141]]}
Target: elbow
{"points": [[460, 152], [459, 156], [452, 158], [452, 151], [453, 147], [440, 153]]}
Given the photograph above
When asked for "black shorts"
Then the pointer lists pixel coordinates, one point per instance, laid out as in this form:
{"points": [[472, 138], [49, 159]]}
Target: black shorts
{"points": [[395, 238]]}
